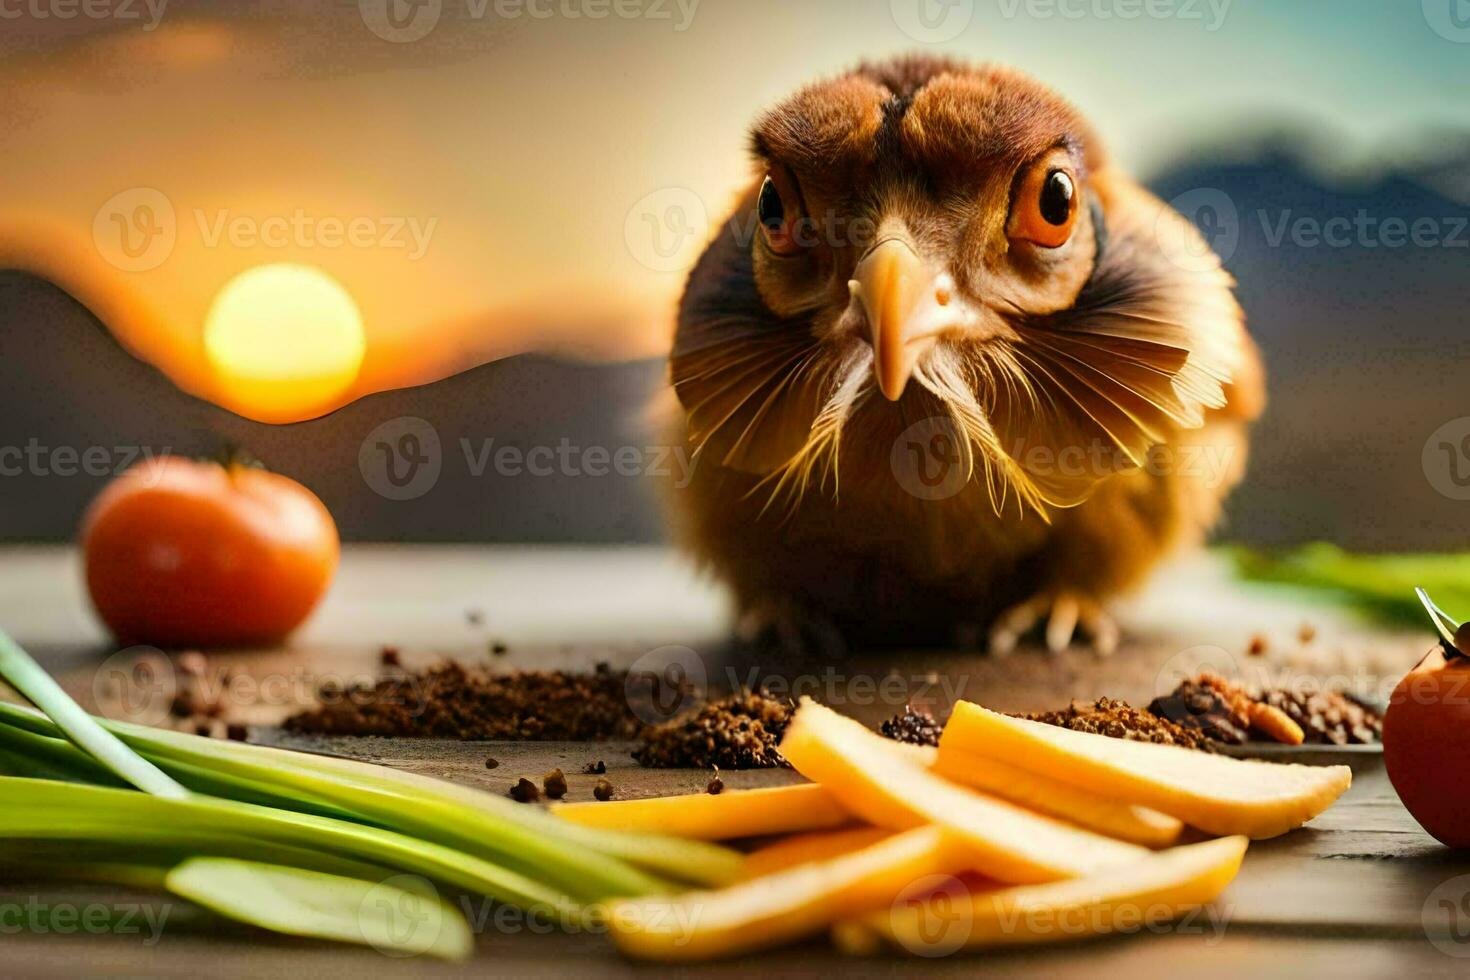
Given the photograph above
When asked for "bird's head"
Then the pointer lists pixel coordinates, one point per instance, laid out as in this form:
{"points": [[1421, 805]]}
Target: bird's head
{"points": [[928, 240]]}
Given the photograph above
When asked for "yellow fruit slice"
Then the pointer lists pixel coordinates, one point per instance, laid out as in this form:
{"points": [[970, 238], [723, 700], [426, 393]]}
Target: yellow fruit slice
{"points": [[1006, 842], [721, 816], [818, 845], [1125, 821], [1217, 794], [778, 908], [1160, 887]]}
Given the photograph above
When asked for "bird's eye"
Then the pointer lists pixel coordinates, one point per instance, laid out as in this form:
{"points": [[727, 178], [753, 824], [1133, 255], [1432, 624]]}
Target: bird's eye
{"points": [[1046, 206], [778, 218]]}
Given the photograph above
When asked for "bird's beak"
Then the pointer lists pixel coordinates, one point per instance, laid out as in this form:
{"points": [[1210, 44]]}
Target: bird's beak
{"points": [[905, 303]]}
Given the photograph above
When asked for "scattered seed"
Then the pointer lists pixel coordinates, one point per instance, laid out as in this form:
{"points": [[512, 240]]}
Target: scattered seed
{"points": [[595, 768], [716, 785], [492, 763], [525, 791], [203, 729], [389, 657], [914, 727], [1258, 646], [499, 648], [603, 790], [236, 732], [737, 732], [555, 784]]}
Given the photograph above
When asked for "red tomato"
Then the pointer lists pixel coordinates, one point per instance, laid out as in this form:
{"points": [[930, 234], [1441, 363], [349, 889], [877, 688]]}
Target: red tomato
{"points": [[1426, 740], [185, 553]]}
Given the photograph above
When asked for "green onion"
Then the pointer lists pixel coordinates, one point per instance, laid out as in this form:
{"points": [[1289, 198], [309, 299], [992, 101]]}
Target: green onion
{"points": [[587, 862], [27, 677], [45, 809], [401, 921]]}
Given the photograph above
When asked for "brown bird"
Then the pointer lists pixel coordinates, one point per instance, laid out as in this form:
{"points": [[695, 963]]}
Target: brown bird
{"points": [[946, 369]]}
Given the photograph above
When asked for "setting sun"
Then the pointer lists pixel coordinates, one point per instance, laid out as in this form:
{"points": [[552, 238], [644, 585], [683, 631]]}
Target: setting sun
{"points": [[284, 342]]}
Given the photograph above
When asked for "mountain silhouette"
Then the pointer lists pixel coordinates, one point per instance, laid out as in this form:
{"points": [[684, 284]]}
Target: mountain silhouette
{"points": [[1364, 330]]}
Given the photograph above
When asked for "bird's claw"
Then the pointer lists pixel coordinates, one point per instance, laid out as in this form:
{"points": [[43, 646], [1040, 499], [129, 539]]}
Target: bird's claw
{"points": [[1064, 613]]}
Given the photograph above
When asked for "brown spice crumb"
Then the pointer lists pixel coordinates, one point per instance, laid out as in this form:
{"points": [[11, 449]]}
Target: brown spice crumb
{"points": [[1307, 633], [203, 728], [450, 700], [499, 648], [595, 768], [1257, 647], [736, 732], [1117, 719], [716, 785], [389, 657], [525, 791], [603, 790], [236, 732], [555, 784], [492, 763], [914, 727]]}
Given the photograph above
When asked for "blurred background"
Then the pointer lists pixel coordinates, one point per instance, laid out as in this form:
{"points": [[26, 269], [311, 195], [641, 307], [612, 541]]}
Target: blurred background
{"points": [[493, 203]]}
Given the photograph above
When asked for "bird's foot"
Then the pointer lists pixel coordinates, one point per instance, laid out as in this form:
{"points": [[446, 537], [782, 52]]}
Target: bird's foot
{"points": [[791, 633], [1065, 612]]}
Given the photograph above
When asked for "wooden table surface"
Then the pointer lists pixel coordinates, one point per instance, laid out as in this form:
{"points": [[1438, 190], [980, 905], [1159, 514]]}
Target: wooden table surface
{"points": [[1361, 891]]}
